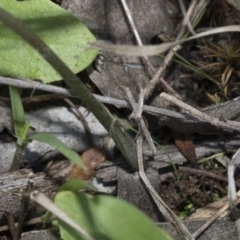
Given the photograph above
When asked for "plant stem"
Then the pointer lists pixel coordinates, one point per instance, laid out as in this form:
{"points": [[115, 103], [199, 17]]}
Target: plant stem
{"points": [[17, 156], [121, 138]]}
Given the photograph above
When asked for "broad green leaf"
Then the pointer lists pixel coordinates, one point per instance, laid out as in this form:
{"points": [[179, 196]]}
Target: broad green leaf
{"points": [[73, 185], [105, 217], [64, 33], [61, 147]]}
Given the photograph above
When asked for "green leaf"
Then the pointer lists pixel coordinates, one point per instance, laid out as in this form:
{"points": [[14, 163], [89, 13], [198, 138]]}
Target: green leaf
{"points": [[61, 147], [105, 217], [46, 217], [20, 125], [73, 185], [64, 33]]}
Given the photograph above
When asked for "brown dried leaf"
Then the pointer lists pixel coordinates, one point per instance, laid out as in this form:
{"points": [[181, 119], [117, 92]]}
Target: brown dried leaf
{"points": [[91, 158], [186, 146]]}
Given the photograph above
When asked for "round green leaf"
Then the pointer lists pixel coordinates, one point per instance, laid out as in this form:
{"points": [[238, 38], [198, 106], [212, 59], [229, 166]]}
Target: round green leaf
{"points": [[64, 33], [105, 217]]}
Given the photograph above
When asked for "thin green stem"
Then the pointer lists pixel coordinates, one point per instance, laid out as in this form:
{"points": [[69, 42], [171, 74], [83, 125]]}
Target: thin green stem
{"points": [[120, 137]]}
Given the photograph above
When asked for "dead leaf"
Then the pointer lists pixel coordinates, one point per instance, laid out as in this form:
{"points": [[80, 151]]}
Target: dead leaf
{"points": [[153, 50], [186, 146], [91, 158]]}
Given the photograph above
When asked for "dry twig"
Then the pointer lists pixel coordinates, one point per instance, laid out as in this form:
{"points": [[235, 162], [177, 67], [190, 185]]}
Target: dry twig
{"points": [[139, 41], [164, 209], [169, 215], [205, 173], [47, 203], [29, 84], [170, 54], [213, 218], [231, 125], [83, 121], [137, 115]]}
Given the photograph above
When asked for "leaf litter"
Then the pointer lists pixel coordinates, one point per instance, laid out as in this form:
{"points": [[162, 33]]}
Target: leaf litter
{"points": [[194, 88], [112, 72]]}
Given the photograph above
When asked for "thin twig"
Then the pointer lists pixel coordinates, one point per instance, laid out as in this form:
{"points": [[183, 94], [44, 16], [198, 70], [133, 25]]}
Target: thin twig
{"points": [[164, 209], [214, 217], [138, 112], [135, 32], [33, 221], [132, 24], [114, 101], [46, 203], [87, 130], [29, 84], [139, 42], [231, 125], [232, 195], [205, 173], [25, 201], [11, 226], [139, 109], [186, 17], [170, 54]]}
